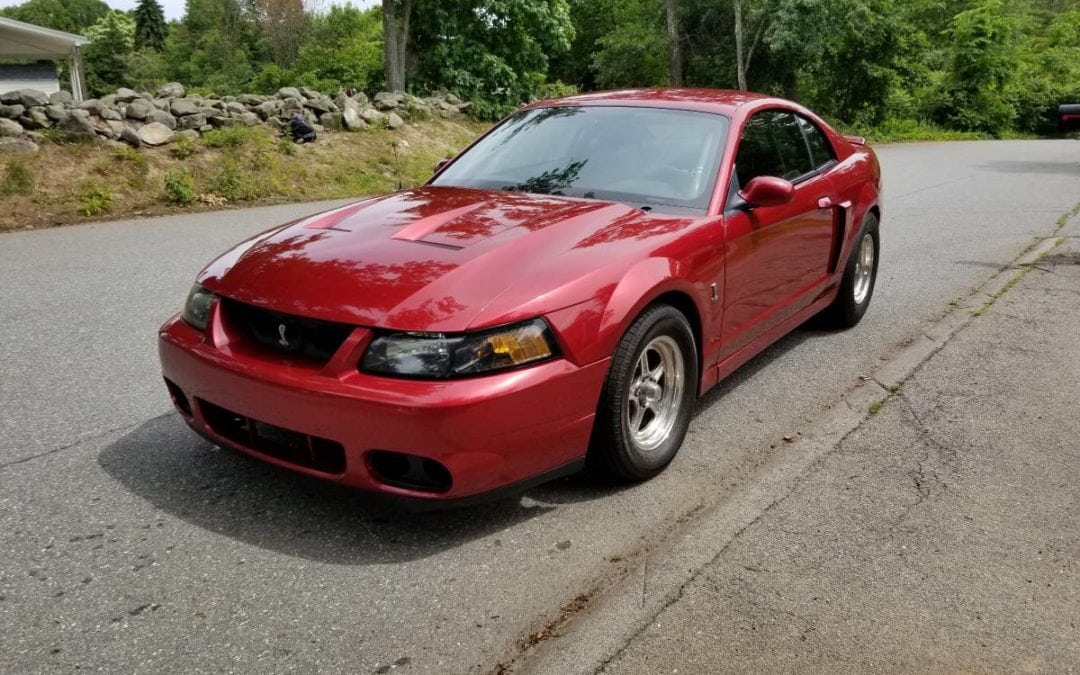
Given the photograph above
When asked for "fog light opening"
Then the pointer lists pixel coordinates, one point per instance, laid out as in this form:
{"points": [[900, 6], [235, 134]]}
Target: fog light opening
{"points": [[409, 471], [179, 399]]}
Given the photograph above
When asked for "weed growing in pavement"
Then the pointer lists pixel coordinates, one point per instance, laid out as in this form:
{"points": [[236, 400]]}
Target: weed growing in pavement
{"points": [[876, 406]]}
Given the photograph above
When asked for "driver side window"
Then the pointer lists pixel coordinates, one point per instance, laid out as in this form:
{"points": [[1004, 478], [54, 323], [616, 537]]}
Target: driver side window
{"points": [[772, 145]]}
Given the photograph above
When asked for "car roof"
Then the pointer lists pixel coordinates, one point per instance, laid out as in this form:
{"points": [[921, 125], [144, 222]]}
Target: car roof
{"points": [[722, 101]]}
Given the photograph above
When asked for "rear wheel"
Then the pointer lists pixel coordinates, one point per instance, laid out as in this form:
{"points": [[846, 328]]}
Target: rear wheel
{"points": [[860, 276], [648, 398]]}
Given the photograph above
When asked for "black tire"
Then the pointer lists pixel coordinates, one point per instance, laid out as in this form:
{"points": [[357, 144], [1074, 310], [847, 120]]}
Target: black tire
{"points": [[847, 310], [614, 451]]}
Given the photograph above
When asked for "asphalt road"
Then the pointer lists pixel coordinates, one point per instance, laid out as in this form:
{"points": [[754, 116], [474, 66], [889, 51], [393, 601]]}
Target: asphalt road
{"points": [[126, 543]]}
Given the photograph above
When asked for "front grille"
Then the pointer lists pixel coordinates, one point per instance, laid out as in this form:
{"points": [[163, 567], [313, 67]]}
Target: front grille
{"points": [[293, 447], [295, 336]]}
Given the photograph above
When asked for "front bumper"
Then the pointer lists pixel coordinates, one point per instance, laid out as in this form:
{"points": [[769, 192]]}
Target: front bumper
{"points": [[488, 432]]}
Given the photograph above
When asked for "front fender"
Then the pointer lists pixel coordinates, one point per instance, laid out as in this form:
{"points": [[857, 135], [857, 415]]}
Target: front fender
{"points": [[591, 330]]}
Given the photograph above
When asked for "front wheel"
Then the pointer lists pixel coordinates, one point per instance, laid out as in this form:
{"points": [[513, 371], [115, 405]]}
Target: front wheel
{"points": [[860, 276], [648, 399]]}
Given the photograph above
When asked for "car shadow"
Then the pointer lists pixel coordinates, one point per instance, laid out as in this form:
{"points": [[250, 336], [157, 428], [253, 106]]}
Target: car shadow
{"points": [[245, 499], [237, 496]]}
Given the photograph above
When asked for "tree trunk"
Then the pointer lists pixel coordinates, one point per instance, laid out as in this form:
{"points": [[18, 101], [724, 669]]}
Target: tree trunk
{"points": [[396, 16], [674, 44], [740, 59]]}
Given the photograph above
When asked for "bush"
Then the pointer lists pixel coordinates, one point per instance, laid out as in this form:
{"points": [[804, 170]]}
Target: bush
{"points": [[18, 179], [235, 183], [96, 199], [230, 137], [183, 148], [180, 187]]}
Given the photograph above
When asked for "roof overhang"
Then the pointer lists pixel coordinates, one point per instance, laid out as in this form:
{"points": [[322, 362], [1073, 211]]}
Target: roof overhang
{"points": [[20, 40]]}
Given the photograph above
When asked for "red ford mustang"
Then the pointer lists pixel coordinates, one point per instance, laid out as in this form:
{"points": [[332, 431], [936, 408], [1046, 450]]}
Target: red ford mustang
{"points": [[558, 295]]}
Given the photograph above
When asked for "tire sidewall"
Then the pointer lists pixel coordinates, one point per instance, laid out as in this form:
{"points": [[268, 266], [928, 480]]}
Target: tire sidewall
{"points": [[857, 310], [667, 321]]}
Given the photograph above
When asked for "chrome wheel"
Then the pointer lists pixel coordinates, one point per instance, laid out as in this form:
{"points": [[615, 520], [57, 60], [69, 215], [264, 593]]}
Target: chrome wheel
{"points": [[656, 392], [864, 268]]}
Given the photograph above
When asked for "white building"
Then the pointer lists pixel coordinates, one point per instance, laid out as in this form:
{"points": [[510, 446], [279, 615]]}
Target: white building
{"points": [[27, 42]]}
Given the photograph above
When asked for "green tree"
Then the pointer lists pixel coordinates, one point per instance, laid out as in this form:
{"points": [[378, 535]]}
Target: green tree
{"points": [[150, 29], [216, 45], [492, 51], [72, 16], [982, 65], [112, 39]]}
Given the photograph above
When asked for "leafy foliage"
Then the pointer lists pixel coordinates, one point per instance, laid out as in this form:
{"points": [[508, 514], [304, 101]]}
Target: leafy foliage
{"points": [[995, 67]]}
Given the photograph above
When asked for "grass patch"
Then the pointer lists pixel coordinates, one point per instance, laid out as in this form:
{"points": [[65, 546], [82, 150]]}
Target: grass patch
{"points": [[877, 406], [18, 179], [234, 137], [238, 165], [184, 147]]}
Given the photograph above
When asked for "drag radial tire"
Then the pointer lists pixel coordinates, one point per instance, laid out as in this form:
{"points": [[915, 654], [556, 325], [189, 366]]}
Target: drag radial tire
{"points": [[860, 276], [648, 398]]}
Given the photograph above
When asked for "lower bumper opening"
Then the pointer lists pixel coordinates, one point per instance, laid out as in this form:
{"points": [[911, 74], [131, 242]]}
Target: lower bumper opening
{"points": [[409, 471], [179, 399], [289, 446]]}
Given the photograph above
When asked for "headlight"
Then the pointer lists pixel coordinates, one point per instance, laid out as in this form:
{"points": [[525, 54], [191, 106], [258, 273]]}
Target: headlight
{"points": [[197, 308], [437, 356]]}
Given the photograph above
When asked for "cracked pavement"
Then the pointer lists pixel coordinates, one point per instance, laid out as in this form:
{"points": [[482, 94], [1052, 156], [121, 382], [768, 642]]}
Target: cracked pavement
{"points": [[942, 535], [129, 544]]}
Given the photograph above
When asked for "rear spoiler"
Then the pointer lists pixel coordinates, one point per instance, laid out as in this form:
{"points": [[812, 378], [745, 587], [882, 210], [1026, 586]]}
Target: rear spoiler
{"points": [[855, 140]]}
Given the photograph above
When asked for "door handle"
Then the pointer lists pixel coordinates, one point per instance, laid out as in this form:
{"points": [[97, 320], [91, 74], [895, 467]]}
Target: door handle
{"points": [[825, 203]]}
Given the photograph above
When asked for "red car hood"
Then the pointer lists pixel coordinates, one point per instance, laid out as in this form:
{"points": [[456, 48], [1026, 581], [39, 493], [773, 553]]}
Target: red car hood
{"points": [[429, 259]]}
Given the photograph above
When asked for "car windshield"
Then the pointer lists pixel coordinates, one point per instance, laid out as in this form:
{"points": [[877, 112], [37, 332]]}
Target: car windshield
{"points": [[648, 157]]}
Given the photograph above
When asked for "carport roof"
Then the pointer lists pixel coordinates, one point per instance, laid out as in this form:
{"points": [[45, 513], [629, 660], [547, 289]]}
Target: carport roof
{"points": [[20, 40]]}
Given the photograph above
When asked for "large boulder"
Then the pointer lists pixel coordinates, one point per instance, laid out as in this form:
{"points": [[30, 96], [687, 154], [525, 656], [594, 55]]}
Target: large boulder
{"points": [[105, 128], [289, 92], [171, 90], [32, 97], [155, 133], [17, 146], [386, 100], [321, 105], [56, 112], [308, 92], [191, 121], [162, 117], [250, 100], [249, 119], [125, 95], [11, 97], [9, 128], [189, 134], [35, 118], [267, 109], [373, 116], [183, 106], [139, 109], [61, 98], [235, 107], [350, 118], [12, 111], [331, 120], [78, 123], [130, 136], [394, 121]]}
